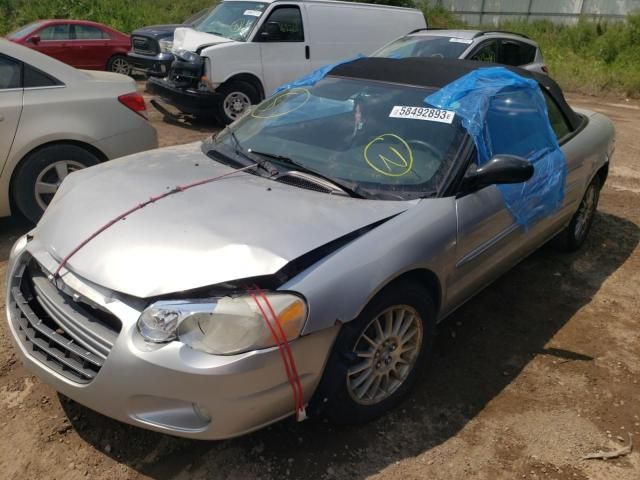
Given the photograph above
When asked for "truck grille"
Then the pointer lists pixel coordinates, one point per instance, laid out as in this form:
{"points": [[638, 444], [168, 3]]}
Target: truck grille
{"points": [[145, 45], [70, 337]]}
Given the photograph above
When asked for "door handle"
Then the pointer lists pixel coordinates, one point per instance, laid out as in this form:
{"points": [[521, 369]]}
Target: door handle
{"points": [[307, 52]]}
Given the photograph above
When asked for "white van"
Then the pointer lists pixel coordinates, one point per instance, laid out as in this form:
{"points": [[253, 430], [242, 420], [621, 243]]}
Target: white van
{"points": [[244, 50]]}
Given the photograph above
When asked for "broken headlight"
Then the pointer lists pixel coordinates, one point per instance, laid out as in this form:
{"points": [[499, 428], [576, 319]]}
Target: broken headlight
{"points": [[224, 326]]}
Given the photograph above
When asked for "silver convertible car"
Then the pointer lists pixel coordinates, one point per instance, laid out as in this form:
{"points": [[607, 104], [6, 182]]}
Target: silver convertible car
{"points": [[299, 261]]}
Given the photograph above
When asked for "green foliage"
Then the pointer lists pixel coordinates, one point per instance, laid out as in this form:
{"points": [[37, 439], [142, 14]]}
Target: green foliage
{"points": [[123, 15], [590, 57], [438, 16]]}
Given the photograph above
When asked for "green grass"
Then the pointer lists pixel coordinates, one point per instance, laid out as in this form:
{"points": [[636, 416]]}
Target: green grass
{"points": [[123, 15]]}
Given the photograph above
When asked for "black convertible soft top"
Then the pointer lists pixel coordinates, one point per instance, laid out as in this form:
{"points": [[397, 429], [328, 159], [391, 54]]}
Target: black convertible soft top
{"points": [[438, 72]]}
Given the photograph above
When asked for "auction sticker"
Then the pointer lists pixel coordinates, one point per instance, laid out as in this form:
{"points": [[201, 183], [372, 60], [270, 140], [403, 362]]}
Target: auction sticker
{"points": [[253, 13], [422, 113]]}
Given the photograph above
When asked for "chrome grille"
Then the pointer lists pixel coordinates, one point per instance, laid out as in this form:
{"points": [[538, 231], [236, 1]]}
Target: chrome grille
{"points": [[145, 45], [70, 337]]}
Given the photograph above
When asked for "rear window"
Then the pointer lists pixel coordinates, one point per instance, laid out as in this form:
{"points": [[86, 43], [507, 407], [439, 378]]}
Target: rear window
{"points": [[424, 46], [86, 32], [517, 53]]}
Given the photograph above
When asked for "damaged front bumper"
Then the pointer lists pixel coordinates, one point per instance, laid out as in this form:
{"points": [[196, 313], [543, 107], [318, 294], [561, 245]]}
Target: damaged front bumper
{"points": [[187, 100], [83, 341]]}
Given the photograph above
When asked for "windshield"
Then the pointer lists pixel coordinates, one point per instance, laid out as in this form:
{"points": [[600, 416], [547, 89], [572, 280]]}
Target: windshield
{"points": [[380, 139], [24, 31], [197, 17], [233, 20], [424, 46]]}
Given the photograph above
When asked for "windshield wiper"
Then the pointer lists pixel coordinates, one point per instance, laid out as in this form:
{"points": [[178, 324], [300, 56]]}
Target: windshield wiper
{"points": [[240, 151], [348, 187]]}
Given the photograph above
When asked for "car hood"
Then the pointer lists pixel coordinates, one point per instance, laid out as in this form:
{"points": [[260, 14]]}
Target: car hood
{"points": [[157, 31], [239, 227], [192, 40]]}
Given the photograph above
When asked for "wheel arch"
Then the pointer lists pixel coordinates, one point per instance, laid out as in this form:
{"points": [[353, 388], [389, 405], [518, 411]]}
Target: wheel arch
{"points": [[249, 78], [603, 173], [423, 277]]}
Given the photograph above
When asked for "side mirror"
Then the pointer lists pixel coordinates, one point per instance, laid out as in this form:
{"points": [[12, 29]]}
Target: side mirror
{"points": [[500, 169], [35, 39], [270, 32]]}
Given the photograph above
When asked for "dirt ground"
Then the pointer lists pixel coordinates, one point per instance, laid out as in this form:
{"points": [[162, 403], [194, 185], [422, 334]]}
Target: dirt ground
{"points": [[537, 371]]}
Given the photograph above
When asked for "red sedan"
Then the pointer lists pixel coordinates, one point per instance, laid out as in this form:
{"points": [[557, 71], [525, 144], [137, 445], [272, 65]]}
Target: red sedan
{"points": [[79, 43]]}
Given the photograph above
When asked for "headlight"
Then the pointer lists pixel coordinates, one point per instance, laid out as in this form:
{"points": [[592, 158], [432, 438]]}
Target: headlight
{"points": [[166, 46], [187, 56], [18, 247], [223, 326]]}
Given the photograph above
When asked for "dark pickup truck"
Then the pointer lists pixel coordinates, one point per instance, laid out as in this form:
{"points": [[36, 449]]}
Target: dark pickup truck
{"points": [[151, 46]]}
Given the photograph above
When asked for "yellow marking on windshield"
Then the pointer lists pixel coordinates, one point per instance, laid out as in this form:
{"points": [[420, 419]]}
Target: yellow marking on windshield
{"points": [[269, 108], [390, 161]]}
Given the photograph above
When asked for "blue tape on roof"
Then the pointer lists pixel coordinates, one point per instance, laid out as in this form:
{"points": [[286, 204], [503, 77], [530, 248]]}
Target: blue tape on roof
{"points": [[506, 114], [315, 76]]}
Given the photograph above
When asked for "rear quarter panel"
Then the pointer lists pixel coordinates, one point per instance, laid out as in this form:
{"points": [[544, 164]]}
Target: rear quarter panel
{"points": [[87, 112]]}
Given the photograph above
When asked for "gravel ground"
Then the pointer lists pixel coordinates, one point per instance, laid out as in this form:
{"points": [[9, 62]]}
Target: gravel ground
{"points": [[538, 370]]}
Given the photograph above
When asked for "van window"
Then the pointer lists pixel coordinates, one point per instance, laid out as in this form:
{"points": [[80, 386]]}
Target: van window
{"points": [[10, 73], [488, 52], [556, 118], [284, 25], [517, 53]]}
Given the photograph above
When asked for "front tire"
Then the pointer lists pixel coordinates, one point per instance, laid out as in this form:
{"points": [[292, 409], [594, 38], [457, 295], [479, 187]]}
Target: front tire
{"points": [[575, 234], [377, 357], [38, 177], [236, 97], [119, 64]]}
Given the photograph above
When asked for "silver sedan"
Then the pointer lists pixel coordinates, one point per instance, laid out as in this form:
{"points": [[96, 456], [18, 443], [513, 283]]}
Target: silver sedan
{"points": [[55, 120], [297, 263]]}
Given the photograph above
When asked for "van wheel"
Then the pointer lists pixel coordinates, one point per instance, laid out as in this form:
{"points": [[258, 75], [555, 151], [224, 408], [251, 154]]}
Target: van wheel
{"points": [[237, 97], [119, 64], [40, 174], [574, 235], [377, 357]]}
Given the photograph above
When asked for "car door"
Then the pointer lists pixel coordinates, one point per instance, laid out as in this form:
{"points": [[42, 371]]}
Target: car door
{"points": [[11, 93], [92, 47], [489, 238], [284, 53], [55, 41], [577, 175]]}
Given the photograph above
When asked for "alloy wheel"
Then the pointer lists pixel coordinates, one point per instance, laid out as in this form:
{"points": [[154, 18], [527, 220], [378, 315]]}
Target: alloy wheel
{"points": [[386, 353], [120, 65], [50, 178]]}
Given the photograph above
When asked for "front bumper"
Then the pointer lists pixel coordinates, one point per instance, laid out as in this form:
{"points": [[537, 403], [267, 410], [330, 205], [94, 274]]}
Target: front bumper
{"points": [[172, 389], [189, 101], [155, 66]]}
